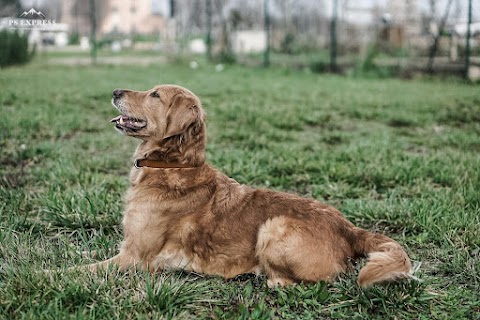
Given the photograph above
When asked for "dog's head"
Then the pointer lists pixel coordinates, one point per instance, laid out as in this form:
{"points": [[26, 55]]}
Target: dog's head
{"points": [[159, 113], [167, 116]]}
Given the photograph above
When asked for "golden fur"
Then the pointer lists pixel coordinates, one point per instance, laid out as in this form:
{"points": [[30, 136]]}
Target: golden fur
{"points": [[200, 220]]}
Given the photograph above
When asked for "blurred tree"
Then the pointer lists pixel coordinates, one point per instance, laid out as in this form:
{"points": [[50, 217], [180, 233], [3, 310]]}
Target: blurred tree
{"points": [[236, 18], [196, 20], [287, 11], [226, 54], [93, 32], [245, 15], [172, 9], [209, 29], [333, 37], [14, 48], [438, 34], [10, 8], [81, 12], [299, 26], [266, 12]]}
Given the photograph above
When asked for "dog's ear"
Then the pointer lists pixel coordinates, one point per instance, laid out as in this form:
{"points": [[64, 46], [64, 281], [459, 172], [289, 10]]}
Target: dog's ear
{"points": [[182, 114]]}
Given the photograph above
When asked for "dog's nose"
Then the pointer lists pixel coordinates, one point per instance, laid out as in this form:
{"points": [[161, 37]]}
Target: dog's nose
{"points": [[117, 93]]}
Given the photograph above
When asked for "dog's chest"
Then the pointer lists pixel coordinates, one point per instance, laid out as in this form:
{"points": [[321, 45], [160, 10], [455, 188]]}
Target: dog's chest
{"points": [[155, 234], [177, 251], [144, 226]]}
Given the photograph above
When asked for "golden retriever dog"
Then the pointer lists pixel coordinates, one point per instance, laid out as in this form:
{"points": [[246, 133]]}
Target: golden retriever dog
{"points": [[181, 213]]}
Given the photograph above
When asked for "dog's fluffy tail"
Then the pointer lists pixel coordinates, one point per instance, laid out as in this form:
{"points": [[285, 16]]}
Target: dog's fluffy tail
{"points": [[387, 261]]}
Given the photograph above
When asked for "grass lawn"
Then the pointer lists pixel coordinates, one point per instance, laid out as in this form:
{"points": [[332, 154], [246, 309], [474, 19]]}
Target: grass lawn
{"points": [[401, 158]]}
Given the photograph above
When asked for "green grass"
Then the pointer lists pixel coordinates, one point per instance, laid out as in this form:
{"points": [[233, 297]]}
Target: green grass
{"points": [[397, 157]]}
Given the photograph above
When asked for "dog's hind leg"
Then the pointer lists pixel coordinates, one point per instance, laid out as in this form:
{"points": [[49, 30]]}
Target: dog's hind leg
{"points": [[289, 253]]}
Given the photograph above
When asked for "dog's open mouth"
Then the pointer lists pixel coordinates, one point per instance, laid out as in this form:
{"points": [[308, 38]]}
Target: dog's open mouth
{"points": [[124, 122]]}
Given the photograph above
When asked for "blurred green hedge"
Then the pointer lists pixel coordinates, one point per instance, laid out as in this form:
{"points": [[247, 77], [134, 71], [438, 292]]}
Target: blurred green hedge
{"points": [[14, 48]]}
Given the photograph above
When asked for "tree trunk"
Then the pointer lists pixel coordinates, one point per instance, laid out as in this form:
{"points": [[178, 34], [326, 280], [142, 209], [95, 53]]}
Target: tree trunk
{"points": [[172, 8], [266, 54], [333, 38], [209, 29], [436, 39], [93, 32]]}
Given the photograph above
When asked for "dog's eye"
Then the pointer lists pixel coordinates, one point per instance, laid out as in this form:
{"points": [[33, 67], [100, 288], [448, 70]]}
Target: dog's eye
{"points": [[154, 94]]}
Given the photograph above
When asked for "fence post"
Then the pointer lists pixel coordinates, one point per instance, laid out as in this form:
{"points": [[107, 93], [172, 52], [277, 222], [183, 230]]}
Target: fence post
{"points": [[467, 45]]}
